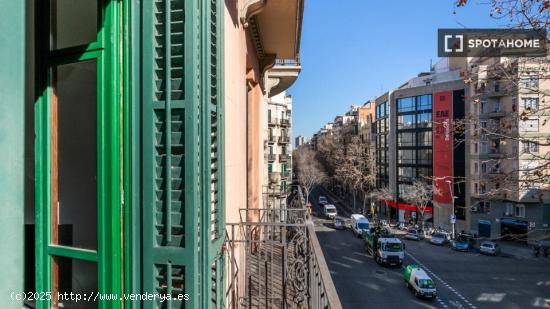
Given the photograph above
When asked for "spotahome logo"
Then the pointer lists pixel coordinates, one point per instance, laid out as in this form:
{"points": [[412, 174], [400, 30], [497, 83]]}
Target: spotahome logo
{"points": [[492, 43]]}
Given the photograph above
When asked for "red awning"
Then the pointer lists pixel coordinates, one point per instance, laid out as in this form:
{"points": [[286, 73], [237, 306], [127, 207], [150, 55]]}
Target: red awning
{"points": [[409, 207]]}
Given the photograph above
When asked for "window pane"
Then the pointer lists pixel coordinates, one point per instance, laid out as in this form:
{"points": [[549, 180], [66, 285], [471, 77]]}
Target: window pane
{"points": [[74, 23], [76, 276], [406, 122], [405, 105], [75, 88]]}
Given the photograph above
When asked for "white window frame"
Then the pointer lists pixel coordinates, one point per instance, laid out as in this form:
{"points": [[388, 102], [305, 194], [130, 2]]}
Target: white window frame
{"points": [[519, 210], [530, 124], [530, 102]]}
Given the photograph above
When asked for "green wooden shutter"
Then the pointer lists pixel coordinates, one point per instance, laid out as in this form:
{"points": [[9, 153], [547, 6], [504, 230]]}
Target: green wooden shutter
{"points": [[183, 217]]}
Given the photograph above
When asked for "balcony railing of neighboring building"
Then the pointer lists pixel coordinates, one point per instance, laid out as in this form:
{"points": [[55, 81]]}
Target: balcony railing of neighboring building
{"points": [[273, 121], [284, 157], [496, 113], [284, 139], [271, 139], [285, 122], [289, 62], [271, 157], [496, 153]]}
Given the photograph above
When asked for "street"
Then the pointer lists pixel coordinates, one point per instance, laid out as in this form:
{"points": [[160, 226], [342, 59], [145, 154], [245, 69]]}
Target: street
{"points": [[463, 280]]}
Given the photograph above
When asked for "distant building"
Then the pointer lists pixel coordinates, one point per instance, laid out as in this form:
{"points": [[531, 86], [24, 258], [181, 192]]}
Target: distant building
{"points": [[299, 141]]}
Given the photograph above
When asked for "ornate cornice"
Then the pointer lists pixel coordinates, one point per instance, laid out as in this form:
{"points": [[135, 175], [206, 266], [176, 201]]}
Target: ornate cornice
{"points": [[251, 8]]}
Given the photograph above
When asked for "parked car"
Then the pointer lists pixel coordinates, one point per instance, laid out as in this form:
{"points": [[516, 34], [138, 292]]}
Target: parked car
{"points": [[489, 248], [419, 281], [339, 223], [359, 224], [330, 211], [463, 242], [439, 239], [323, 200], [414, 234]]}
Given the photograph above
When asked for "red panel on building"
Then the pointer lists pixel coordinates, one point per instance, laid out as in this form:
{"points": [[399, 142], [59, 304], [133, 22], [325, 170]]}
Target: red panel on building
{"points": [[408, 207], [442, 144]]}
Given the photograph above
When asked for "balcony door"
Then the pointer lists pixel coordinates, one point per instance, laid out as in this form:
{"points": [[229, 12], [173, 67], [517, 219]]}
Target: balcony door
{"points": [[78, 153]]}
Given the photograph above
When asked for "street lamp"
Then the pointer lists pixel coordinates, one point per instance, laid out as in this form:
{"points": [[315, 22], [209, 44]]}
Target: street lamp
{"points": [[452, 218]]}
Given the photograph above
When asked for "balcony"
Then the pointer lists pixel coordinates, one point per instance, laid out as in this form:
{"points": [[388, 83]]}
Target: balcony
{"points": [[271, 157], [272, 121], [496, 153], [285, 139], [285, 122], [283, 74], [495, 172], [271, 139], [284, 157], [497, 113], [285, 174]]}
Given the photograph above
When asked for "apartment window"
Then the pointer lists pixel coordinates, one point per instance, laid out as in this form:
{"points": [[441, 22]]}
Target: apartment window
{"points": [[407, 174], [405, 122], [519, 210], [424, 120], [424, 172], [531, 103], [406, 139], [484, 147], [476, 150], [476, 167], [530, 125], [406, 156], [496, 86], [483, 106], [424, 102], [496, 106], [482, 188], [476, 188], [425, 156], [483, 124], [271, 150], [484, 167], [530, 147], [405, 105], [269, 115], [270, 168], [425, 138], [529, 82]]}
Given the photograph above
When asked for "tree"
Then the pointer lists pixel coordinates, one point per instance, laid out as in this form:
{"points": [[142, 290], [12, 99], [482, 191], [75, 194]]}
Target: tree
{"points": [[385, 194], [356, 168], [420, 193], [308, 169]]}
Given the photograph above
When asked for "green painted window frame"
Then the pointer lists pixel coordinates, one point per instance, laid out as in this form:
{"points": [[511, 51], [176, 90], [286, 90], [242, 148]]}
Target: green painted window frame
{"points": [[106, 51]]}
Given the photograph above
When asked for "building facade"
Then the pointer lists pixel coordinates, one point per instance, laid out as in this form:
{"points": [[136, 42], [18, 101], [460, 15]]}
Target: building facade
{"points": [[508, 192], [279, 154]]}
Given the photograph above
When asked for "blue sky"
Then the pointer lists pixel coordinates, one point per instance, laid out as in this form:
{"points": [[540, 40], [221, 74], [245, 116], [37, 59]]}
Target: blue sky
{"points": [[354, 50]]}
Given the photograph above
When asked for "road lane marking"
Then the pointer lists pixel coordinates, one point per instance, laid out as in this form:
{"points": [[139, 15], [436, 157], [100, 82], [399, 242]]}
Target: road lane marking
{"points": [[442, 281]]}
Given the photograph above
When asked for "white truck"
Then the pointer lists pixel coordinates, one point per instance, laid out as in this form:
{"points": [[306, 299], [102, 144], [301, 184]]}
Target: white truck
{"points": [[385, 248]]}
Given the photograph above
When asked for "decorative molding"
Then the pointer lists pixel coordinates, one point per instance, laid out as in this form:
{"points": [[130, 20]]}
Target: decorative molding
{"points": [[251, 8]]}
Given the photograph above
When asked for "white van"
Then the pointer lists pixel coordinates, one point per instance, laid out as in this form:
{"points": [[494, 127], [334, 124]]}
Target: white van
{"points": [[359, 224], [329, 211], [419, 281]]}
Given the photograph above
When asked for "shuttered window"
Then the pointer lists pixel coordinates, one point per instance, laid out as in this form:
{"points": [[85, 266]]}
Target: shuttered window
{"points": [[182, 209]]}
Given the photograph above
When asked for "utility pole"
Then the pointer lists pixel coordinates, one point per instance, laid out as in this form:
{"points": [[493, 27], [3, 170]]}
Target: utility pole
{"points": [[452, 218]]}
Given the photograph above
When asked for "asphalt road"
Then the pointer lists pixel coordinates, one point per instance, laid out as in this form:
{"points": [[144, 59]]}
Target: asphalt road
{"points": [[463, 280]]}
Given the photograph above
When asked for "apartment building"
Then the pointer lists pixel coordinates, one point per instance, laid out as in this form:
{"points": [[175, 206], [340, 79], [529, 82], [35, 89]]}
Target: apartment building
{"points": [[136, 132], [508, 147], [299, 141], [279, 160]]}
